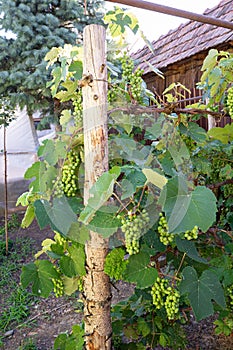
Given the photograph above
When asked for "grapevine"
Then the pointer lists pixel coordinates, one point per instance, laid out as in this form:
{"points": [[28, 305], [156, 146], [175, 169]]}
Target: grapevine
{"points": [[230, 296], [158, 292], [172, 303], [193, 234], [58, 286], [112, 92], [58, 187], [69, 174], [132, 78], [164, 236], [80, 284], [230, 101], [167, 296], [78, 108], [134, 226]]}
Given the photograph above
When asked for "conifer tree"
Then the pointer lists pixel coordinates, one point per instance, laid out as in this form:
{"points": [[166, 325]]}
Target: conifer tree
{"points": [[35, 27]]}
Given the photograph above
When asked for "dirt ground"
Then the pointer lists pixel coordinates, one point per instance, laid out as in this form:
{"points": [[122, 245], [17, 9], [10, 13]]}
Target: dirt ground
{"points": [[49, 317]]}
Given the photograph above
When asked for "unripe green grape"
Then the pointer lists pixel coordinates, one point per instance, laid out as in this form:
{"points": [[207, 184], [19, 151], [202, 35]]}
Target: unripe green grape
{"points": [[69, 174], [78, 108], [158, 292], [193, 234], [230, 101], [172, 303], [164, 236], [58, 287], [134, 226]]}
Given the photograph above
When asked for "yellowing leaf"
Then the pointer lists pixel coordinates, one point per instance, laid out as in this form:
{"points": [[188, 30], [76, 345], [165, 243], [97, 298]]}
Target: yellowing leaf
{"points": [[155, 178]]}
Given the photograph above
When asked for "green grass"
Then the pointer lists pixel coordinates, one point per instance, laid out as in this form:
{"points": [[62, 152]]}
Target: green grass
{"points": [[12, 224], [28, 344], [14, 300]]}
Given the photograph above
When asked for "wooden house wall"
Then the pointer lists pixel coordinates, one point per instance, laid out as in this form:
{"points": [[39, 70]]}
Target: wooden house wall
{"points": [[188, 73]]}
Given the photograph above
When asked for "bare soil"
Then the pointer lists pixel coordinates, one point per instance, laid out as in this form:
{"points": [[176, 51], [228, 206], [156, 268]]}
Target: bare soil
{"points": [[49, 317]]}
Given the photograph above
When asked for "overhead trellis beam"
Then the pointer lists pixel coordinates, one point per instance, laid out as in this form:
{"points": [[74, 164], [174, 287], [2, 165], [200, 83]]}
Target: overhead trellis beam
{"points": [[175, 12]]}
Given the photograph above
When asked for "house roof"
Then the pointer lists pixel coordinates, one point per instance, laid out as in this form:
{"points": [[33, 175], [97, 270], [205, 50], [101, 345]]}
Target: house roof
{"points": [[188, 39]]}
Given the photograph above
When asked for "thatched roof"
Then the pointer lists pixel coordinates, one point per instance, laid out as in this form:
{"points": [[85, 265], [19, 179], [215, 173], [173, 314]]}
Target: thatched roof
{"points": [[188, 39]]}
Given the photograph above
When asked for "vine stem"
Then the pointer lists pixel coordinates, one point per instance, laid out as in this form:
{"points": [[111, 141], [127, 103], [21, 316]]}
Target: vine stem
{"points": [[181, 263]]}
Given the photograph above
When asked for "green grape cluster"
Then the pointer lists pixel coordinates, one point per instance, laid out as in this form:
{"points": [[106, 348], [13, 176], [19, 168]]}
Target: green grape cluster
{"points": [[78, 108], [127, 67], [193, 234], [134, 226], [69, 174], [132, 78], [112, 92], [158, 292], [58, 287], [172, 303], [164, 236], [58, 187], [230, 101], [136, 85], [80, 284], [230, 296], [165, 296]]}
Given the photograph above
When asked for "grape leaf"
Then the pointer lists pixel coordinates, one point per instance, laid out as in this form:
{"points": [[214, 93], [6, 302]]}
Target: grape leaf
{"points": [[51, 151], [36, 170], [225, 134], [137, 271], [105, 221], [155, 178], [59, 216], [74, 263], [190, 249], [194, 131], [70, 284], [28, 216], [100, 193], [127, 148], [39, 274], [201, 291], [185, 209], [78, 232], [78, 256]]}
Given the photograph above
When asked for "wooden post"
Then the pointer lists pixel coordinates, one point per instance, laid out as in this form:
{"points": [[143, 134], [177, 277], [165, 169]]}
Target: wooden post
{"points": [[97, 292]]}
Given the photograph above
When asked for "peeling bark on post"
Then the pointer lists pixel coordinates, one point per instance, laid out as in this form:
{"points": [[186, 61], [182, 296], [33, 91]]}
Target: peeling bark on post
{"points": [[97, 292]]}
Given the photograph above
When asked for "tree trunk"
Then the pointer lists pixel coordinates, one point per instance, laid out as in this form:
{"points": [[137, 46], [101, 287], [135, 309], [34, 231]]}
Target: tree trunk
{"points": [[97, 292]]}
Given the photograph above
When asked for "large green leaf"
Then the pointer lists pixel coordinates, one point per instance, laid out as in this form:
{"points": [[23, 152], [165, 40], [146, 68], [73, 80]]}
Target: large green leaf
{"points": [[40, 275], [100, 192], [35, 171], [155, 178], [52, 150], [105, 221], [201, 291], [78, 232], [194, 131], [185, 208], [224, 135], [73, 264], [190, 249], [125, 147], [137, 271], [59, 216]]}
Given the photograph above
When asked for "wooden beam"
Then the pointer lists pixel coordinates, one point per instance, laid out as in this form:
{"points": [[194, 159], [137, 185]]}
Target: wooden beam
{"points": [[175, 12]]}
